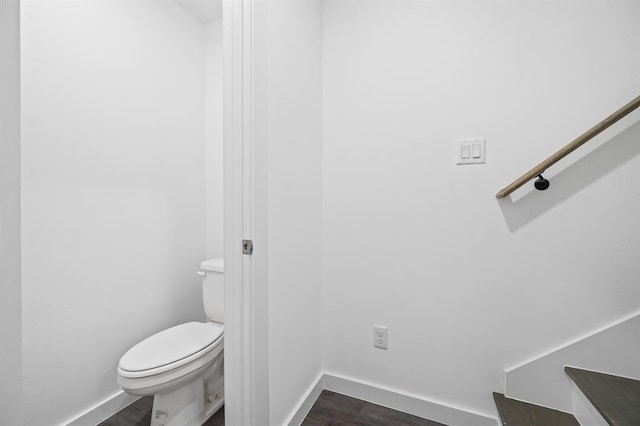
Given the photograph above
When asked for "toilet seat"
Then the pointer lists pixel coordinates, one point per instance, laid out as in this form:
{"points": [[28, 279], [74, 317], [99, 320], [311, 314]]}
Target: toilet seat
{"points": [[171, 349]]}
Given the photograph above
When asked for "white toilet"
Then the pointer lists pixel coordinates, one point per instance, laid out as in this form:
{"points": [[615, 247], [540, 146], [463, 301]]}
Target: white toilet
{"points": [[183, 365]]}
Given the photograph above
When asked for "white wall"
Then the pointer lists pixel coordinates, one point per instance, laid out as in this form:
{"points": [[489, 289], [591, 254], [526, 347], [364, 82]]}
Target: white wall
{"points": [[10, 306], [113, 190], [466, 284], [206, 11], [289, 75], [542, 380], [213, 135]]}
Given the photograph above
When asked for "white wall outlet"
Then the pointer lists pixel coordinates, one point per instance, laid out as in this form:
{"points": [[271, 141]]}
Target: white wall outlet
{"points": [[380, 336], [471, 151]]}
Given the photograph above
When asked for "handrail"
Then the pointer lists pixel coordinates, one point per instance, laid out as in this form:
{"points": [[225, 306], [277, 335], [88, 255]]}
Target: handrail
{"points": [[569, 148]]}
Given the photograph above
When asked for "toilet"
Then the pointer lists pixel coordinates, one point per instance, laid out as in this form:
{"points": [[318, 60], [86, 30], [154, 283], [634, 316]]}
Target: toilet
{"points": [[183, 366]]}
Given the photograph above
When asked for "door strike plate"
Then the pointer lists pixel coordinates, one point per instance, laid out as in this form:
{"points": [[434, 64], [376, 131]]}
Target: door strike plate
{"points": [[247, 247]]}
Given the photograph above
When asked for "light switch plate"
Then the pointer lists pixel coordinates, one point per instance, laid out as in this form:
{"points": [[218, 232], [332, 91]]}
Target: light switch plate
{"points": [[471, 151]]}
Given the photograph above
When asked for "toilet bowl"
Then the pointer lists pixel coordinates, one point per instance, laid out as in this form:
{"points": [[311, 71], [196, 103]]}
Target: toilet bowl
{"points": [[183, 366]]}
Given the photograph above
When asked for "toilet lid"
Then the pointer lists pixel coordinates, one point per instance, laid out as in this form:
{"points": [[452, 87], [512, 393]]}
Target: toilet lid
{"points": [[171, 346]]}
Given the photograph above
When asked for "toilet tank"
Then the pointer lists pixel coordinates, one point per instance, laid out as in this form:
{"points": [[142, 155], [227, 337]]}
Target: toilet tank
{"points": [[213, 288]]}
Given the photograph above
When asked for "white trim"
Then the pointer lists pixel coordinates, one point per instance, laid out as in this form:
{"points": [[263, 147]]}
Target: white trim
{"points": [[543, 380], [573, 341], [438, 411], [583, 410], [103, 410], [433, 410], [246, 325], [10, 241], [303, 406]]}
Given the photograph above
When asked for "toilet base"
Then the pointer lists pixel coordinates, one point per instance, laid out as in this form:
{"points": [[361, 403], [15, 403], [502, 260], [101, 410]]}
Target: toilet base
{"points": [[214, 389], [181, 407], [193, 403]]}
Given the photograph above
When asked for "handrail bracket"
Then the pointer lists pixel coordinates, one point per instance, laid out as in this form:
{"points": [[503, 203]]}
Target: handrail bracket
{"points": [[542, 183]]}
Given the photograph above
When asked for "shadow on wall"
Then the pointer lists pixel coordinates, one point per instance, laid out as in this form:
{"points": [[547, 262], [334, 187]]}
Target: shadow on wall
{"points": [[612, 154]]}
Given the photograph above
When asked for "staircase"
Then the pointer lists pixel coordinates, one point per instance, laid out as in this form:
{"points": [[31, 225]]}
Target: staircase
{"points": [[614, 401]]}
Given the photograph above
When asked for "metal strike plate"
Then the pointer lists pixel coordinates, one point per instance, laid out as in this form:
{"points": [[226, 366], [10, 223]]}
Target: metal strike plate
{"points": [[247, 247]]}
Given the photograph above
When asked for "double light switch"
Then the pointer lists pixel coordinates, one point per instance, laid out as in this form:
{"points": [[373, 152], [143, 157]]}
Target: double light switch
{"points": [[471, 151]]}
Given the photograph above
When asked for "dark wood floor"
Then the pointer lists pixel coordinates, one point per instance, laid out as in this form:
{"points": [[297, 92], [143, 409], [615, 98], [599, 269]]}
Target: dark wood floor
{"points": [[139, 414], [331, 409], [518, 413], [617, 399], [334, 409]]}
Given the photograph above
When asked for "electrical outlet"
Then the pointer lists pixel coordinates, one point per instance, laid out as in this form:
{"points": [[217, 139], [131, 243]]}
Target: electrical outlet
{"points": [[380, 337]]}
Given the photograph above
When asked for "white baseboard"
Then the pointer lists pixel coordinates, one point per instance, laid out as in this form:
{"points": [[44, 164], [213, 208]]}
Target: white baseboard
{"points": [[306, 402], [575, 340], [417, 406], [612, 349], [433, 410], [103, 410], [584, 411]]}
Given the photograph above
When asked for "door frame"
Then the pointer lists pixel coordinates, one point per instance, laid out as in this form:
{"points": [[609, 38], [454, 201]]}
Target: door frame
{"points": [[10, 240], [245, 217]]}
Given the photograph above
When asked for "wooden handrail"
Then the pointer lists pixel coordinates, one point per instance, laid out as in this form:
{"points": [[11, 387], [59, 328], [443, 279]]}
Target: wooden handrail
{"points": [[570, 147]]}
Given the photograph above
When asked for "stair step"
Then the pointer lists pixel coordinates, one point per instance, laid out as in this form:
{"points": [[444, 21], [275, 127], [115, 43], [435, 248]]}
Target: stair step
{"points": [[518, 413], [616, 398]]}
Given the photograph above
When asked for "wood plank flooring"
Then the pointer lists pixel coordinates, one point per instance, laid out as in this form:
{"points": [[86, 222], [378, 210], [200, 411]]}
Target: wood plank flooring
{"points": [[616, 398], [139, 414], [518, 413], [334, 409], [331, 409]]}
